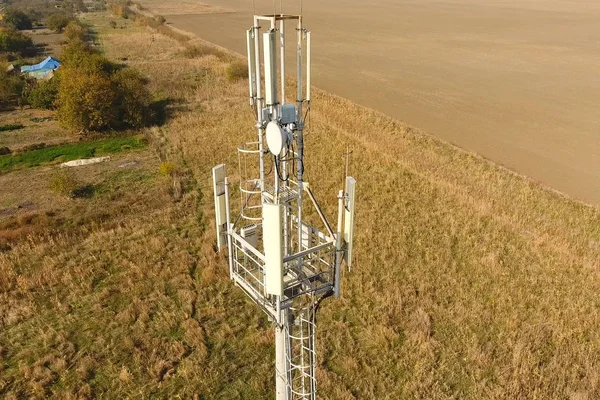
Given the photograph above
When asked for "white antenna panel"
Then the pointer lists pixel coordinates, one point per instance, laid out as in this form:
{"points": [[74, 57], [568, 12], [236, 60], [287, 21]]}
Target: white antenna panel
{"points": [[250, 39], [219, 173], [273, 244], [270, 67], [349, 218], [308, 67]]}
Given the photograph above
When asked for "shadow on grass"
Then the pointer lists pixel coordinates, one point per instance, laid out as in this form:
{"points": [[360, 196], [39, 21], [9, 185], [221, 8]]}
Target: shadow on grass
{"points": [[164, 109], [84, 192], [41, 50]]}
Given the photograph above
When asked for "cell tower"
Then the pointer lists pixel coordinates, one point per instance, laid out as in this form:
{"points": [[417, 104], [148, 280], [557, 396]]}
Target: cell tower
{"points": [[284, 264]]}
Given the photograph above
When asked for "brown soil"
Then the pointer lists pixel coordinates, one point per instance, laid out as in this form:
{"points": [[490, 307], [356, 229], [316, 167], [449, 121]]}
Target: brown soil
{"points": [[516, 82]]}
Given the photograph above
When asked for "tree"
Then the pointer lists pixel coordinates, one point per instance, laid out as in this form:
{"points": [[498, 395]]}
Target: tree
{"points": [[91, 100], [17, 19], [95, 94], [75, 53], [80, 55], [86, 101], [44, 94], [58, 22], [236, 71], [133, 97], [76, 31]]}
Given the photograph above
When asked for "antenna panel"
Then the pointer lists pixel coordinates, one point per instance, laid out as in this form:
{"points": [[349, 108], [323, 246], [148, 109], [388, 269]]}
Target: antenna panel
{"points": [[270, 56], [308, 66], [273, 244], [349, 218], [250, 39], [219, 173]]}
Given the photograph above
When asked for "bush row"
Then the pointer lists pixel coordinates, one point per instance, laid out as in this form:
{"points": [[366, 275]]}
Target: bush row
{"points": [[90, 93]]}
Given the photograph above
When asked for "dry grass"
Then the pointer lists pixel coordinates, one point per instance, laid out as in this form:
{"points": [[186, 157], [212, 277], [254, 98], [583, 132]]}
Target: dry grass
{"points": [[38, 200], [470, 281], [40, 127]]}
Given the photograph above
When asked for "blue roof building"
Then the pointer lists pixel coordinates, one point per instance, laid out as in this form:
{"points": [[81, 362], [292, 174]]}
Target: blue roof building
{"points": [[40, 70]]}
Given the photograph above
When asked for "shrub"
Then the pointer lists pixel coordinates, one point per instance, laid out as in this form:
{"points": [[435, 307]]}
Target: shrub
{"points": [[119, 8], [17, 19], [167, 168], [75, 53], [236, 70], [12, 41], [44, 94], [113, 24], [63, 183], [95, 94], [5, 151], [76, 31], [133, 98], [58, 22], [11, 87], [192, 52], [11, 127], [80, 55]]}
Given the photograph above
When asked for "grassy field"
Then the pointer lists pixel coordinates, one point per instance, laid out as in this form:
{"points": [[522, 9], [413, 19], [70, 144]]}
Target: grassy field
{"points": [[40, 126], [470, 281], [72, 151]]}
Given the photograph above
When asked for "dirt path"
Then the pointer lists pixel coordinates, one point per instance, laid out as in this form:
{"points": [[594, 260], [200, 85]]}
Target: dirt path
{"points": [[517, 82]]}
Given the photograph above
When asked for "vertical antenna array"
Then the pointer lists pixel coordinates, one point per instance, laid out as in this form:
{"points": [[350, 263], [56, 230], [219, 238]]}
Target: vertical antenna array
{"points": [[283, 263]]}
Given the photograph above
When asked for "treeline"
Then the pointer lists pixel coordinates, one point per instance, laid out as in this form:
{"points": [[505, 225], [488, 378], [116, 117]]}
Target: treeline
{"points": [[18, 48], [89, 92], [21, 15], [26, 14], [15, 44], [127, 9]]}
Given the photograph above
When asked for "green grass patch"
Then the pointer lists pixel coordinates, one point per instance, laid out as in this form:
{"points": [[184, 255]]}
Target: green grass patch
{"points": [[11, 127], [74, 151]]}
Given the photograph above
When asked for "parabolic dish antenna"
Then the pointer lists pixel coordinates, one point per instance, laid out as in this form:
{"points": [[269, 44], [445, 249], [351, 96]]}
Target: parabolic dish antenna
{"points": [[276, 138]]}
